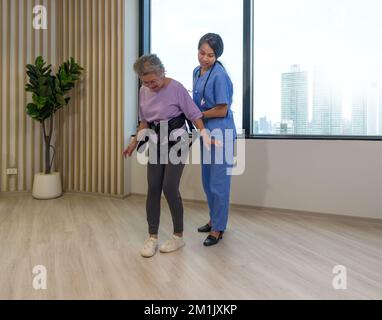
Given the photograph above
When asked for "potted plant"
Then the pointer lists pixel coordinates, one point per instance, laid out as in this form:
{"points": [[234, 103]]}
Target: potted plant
{"points": [[49, 94]]}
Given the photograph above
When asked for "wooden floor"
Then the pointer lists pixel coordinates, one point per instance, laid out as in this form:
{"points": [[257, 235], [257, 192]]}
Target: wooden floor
{"points": [[90, 247]]}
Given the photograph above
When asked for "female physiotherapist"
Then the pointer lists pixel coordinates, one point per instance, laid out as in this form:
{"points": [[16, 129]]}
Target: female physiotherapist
{"points": [[212, 93]]}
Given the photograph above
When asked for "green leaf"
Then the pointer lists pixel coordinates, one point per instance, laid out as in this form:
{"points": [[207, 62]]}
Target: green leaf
{"points": [[60, 100], [46, 112], [39, 101], [33, 111], [49, 91]]}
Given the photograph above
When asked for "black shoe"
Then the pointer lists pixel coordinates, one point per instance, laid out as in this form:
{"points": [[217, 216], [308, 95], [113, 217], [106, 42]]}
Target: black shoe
{"points": [[211, 240], [206, 228]]}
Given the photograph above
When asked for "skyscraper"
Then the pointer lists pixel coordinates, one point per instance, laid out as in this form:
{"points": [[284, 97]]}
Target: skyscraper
{"points": [[294, 100], [372, 109], [327, 105], [265, 126], [359, 111], [284, 127]]}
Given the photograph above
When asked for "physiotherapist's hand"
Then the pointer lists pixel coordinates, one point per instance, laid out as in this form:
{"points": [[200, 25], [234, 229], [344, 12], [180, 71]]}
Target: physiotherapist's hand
{"points": [[207, 141]]}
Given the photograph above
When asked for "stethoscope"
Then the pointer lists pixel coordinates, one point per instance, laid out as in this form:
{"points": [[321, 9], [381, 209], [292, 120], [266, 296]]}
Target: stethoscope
{"points": [[203, 101]]}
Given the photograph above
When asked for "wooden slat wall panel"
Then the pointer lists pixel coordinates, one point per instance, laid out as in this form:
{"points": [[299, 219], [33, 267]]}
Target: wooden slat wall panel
{"points": [[101, 79], [89, 75], [31, 131], [92, 126], [120, 96], [1, 95], [58, 142], [20, 137], [7, 69], [89, 132], [95, 30], [16, 66]]}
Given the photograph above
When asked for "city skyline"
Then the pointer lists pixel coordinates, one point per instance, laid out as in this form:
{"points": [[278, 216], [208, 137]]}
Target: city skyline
{"points": [[339, 37], [325, 102]]}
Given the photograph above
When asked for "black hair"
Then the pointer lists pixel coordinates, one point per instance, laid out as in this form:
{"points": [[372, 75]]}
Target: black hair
{"points": [[214, 41]]}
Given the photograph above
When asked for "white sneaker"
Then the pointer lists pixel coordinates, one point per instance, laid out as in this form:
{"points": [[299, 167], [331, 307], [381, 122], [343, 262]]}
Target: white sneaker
{"points": [[150, 247], [173, 244]]}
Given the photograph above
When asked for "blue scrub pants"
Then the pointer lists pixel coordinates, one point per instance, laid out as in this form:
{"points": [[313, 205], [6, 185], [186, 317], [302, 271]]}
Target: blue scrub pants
{"points": [[217, 184]]}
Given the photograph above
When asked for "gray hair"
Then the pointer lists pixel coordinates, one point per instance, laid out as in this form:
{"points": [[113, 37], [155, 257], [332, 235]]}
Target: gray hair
{"points": [[148, 63]]}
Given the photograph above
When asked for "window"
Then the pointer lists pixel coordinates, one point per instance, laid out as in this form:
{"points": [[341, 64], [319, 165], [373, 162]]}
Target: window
{"points": [[301, 69], [317, 67], [176, 27]]}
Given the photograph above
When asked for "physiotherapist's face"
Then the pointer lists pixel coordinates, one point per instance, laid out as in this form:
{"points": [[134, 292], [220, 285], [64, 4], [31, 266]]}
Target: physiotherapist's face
{"points": [[206, 56]]}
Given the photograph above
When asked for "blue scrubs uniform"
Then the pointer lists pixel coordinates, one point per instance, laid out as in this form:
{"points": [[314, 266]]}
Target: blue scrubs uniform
{"points": [[215, 176]]}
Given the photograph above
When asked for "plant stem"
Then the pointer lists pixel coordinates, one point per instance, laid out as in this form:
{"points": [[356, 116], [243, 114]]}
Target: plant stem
{"points": [[47, 139]]}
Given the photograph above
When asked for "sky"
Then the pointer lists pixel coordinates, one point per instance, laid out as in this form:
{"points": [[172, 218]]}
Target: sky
{"points": [[177, 26], [340, 36]]}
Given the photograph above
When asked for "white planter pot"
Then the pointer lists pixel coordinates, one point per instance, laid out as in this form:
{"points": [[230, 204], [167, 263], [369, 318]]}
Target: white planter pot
{"points": [[47, 186]]}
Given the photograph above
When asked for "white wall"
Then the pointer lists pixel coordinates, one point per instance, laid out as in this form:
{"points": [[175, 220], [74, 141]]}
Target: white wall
{"points": [[335, 177], [131, 42]]}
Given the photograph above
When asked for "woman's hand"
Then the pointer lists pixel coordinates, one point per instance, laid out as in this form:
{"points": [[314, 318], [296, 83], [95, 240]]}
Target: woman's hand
{"points": [[130, 149], [134, 141]]}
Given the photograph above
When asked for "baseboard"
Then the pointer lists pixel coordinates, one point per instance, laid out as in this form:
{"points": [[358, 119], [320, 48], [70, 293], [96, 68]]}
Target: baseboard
{"points": [[301, 213]]}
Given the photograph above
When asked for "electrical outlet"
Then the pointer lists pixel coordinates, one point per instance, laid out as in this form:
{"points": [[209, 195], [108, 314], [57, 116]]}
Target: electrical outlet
{"points": [[11, 171]]}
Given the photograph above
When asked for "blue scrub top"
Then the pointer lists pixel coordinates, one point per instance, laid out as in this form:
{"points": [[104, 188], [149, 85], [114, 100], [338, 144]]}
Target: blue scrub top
{"points": [[219, 90]]}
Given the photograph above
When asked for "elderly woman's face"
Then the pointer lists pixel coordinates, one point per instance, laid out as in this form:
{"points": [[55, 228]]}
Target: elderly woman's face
{"points": [[153, 81], [206, 56]]}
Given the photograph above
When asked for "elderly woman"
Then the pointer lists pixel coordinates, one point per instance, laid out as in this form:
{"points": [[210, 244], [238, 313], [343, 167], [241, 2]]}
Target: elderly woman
{"points": [[162, 99]]}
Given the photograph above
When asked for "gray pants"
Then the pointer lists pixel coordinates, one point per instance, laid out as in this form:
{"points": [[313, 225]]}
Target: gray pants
{"points": [[164, 177]]}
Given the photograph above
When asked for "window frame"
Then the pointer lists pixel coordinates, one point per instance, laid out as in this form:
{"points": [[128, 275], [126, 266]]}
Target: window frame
{"points": [[248, 79]]}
